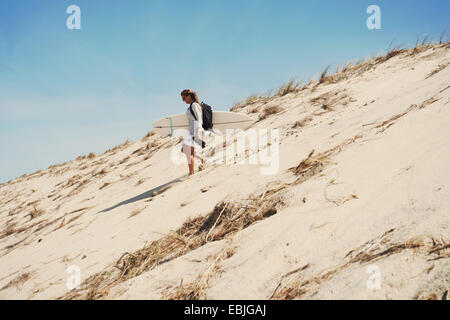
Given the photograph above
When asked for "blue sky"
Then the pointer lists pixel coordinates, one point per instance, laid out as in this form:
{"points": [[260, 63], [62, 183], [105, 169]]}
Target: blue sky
{"points": [[65, 93]]}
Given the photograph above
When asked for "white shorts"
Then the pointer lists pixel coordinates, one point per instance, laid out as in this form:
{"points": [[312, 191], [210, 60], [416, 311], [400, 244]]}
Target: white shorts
{"points": [[189, 142]]}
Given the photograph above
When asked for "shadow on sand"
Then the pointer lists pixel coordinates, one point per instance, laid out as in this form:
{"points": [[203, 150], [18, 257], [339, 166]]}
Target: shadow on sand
{"points": [[147, 194]]}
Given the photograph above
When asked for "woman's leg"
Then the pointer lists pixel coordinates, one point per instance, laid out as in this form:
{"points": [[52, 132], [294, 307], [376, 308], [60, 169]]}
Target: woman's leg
{"points": [[199, 156], [189, 152], [191, 161]]}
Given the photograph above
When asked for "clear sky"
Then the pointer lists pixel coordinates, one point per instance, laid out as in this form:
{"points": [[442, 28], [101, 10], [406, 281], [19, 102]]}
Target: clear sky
{"points": [[64, 93]]}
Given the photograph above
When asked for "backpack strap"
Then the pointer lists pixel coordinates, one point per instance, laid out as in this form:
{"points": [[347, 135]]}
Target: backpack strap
{"points": [[192, 112]]}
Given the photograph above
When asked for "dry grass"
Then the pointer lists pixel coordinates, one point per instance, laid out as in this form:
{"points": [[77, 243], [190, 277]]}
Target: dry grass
{"points": [[323, 76], [79, 210], [69, 221], [223, 221], [118, 147], [33, 228], [104, 185], [136, 212], [384, 125], [148, 149], [270, 110], [45, 224], [442, 39], [101, 173], [249, 101], [423, 43], [252, 99], [72, 181], [8, 230], [79, 185], [437, 70], [289, 292], [287, 88], [329, 100], [391, 52], [340, 201], [428, 102], [302, 123], [18, 281], [348, 71], [389, 122], [221, 226], [196, 290], [254, 110], [381, 247], [148, 135], [35, 212], [140, 181], [309, 167], [426, 40], [315, 163]]}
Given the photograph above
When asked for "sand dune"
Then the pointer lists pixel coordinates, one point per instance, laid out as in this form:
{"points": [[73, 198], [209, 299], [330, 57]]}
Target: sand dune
{"points": [[359, 208]]}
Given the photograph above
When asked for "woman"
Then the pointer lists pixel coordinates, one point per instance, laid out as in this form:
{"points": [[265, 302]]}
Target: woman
{"points": [[193, 143]]}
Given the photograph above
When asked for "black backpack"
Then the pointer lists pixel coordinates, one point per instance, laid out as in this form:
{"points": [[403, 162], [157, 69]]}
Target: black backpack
{"points": [[206, 116]]}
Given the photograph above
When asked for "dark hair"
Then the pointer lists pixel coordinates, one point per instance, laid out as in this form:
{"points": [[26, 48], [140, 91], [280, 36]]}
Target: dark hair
{"points": [[192, 94]]}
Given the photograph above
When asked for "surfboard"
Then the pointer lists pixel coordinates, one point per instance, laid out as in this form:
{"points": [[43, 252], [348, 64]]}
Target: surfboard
{"points": [[222, 120]]}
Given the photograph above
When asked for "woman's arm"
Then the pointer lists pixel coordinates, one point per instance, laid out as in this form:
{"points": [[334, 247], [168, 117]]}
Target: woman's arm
{"points": [[198, 125]]}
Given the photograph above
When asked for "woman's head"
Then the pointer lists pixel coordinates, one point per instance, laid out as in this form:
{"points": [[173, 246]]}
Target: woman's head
{"points": [[189, 96]]}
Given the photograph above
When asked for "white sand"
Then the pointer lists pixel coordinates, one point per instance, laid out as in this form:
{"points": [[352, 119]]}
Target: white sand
{"points": [[397, 178]]}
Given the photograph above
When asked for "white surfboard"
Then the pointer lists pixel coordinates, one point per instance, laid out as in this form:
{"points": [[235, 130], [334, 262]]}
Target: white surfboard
{"points": [[222, 120]]}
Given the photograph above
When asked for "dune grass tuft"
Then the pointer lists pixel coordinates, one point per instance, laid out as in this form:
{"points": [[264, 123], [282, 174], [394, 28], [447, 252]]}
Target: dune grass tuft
{"points": [[227, 218], [270, 110], [18, 281], [323, 76], [302, 123], [437, 70], [196, 290], [287, 88], [348, 70], [442, 38], [35, 212]]}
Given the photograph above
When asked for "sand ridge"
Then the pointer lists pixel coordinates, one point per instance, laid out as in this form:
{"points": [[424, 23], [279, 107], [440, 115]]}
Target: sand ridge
{"points": [[363, 185]]}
